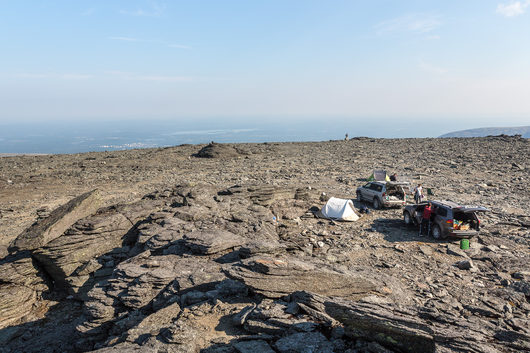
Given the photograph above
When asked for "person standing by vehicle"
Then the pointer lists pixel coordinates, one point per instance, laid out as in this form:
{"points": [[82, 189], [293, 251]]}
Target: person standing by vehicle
{"points": [[418, 193], [426, 220]]}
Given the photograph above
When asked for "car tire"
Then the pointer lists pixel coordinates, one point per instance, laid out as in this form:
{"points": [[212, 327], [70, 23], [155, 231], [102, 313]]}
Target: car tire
{"points": [[407, 218], [376, 203], [436, 232], [359, 197]]}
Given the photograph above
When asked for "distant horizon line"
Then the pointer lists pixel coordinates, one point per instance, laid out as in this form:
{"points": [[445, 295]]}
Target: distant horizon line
{"points": [[34, 154]]}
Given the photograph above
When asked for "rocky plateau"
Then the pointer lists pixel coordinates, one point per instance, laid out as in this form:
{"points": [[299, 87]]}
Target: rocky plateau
{"points": [[218, 249]]}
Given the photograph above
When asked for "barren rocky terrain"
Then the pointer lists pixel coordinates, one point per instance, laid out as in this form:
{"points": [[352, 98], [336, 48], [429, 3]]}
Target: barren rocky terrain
{"points": [[217, 249]]}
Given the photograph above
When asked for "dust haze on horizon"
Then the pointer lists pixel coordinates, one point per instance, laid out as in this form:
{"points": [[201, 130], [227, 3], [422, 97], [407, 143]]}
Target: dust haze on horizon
{"points": [[468, 63]]}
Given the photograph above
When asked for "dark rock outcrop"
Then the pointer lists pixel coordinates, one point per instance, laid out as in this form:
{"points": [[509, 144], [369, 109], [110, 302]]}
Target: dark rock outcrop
{"points": [[21, 284], [71, 259], [415, 329], [218, 150], [145, 282]]}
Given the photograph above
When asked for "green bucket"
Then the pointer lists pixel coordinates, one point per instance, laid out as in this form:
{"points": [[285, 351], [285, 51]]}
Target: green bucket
{"points": [[464, 244]]}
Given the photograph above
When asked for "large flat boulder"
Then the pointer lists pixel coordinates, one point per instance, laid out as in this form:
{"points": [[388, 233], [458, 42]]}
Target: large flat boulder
{"points": [[211, 241], [59, 220], [278, 277]]}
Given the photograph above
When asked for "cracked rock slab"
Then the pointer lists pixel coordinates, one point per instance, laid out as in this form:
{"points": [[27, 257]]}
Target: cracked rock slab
{"points": [[212, 241], [278, 277], [59, 220]]}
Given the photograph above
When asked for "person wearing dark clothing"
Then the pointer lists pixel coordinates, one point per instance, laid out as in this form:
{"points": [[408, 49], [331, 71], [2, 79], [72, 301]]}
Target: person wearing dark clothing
{"points": [[393, 177], [418, 193], [426, 220]]}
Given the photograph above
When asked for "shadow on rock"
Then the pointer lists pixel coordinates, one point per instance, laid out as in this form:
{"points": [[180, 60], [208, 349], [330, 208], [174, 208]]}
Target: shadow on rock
{"points": [[394, 231]]}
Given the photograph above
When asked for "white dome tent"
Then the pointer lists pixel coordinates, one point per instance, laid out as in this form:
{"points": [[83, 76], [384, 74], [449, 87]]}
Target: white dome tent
{"points": [[339, 209]]}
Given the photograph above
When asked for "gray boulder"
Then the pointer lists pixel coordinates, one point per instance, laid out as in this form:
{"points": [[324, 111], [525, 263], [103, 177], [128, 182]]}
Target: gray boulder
{"points": [[278, 277], [53, 226], [465, 264], [211, 241]]}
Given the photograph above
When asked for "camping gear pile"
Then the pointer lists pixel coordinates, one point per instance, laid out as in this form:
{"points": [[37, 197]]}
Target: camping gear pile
{"points": [[460, 225]]}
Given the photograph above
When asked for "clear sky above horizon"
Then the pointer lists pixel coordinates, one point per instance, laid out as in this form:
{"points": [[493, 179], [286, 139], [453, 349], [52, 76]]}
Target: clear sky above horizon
{"points": [[80, 60]]}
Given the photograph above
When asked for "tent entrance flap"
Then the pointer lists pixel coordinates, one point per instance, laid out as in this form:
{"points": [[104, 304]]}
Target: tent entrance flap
{"points": [[339, 209]]}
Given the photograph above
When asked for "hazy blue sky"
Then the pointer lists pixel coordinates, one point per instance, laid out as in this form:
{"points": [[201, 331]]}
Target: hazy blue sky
{"points": [[468, 60]]}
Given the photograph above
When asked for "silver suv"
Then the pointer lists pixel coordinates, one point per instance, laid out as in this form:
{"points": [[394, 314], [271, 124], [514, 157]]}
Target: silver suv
{"points": [[384, 193]]}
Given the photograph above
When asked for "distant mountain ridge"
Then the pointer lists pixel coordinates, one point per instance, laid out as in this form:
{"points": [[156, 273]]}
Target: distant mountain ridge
{"points": [[524, 131]]}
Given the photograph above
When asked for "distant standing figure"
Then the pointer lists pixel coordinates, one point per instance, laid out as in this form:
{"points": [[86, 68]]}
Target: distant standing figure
{"points": [[393, 177], [418, 193], [426, 220], [346, 137]]}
